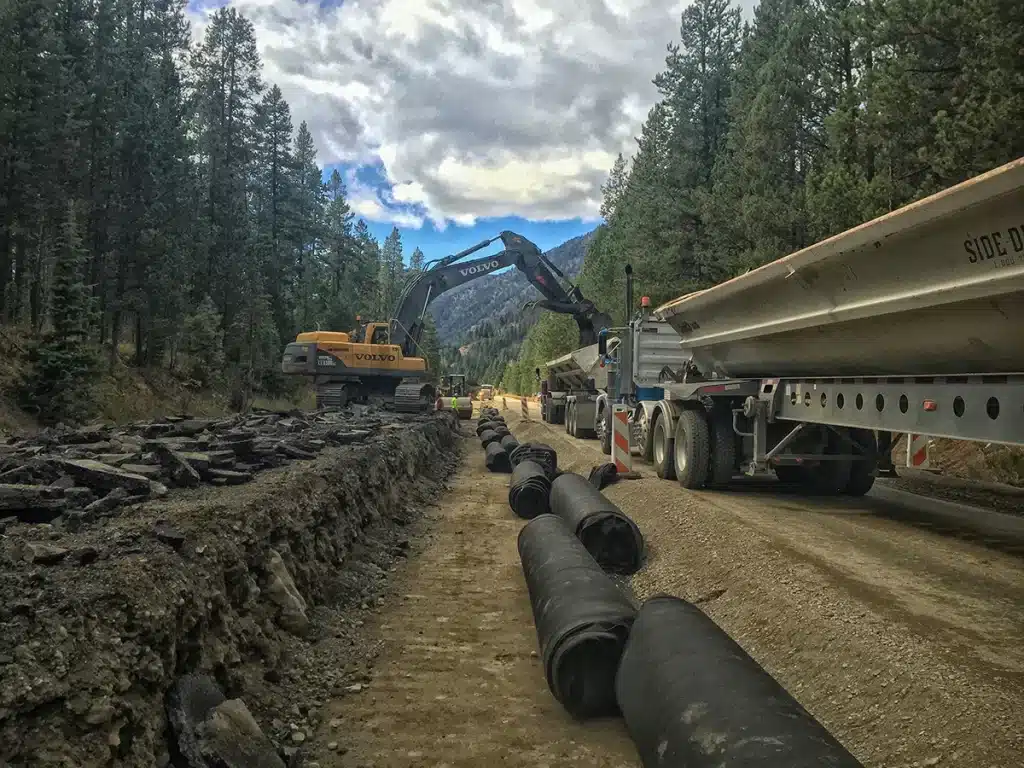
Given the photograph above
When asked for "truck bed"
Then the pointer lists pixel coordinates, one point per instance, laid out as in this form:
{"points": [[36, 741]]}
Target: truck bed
{"points": [[934, 288]]}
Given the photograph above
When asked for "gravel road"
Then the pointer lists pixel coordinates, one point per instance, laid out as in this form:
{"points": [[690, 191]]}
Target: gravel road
{"points": [[907, 644]]}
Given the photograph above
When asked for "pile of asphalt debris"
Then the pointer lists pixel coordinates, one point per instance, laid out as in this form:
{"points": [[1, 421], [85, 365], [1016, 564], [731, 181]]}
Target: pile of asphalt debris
{"points": [[69, 477]]}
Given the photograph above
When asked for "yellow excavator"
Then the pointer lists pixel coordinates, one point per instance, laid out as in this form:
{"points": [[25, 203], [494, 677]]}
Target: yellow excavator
{"points": [[383, 361]]}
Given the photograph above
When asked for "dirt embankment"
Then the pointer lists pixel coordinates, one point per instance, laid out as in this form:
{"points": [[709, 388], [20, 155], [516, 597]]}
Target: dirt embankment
{"points": [[99, 622]]}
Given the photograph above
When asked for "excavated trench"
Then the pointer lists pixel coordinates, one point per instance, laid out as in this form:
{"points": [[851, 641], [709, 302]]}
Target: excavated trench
{"points": [[99, 623]]}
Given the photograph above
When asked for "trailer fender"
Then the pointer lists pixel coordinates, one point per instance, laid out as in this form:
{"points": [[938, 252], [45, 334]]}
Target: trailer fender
{"points": [[665, 409]]}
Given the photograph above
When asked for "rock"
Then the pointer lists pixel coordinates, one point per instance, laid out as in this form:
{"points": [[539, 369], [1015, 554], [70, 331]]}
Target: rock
{"points": [[101, 711], [146, 470], [354, 688], [294, 452], [38, 552], [189, 703], [157, 490], [32, 503], [230, 477], [298, 737], [281, 591], [97, 475], [108, 503], [231, 738], [200, 462], [168, 534], [181, 472], [332, 745]]}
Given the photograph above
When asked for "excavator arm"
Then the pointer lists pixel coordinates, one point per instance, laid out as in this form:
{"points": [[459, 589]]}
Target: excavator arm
{"points": [[449, 272]]}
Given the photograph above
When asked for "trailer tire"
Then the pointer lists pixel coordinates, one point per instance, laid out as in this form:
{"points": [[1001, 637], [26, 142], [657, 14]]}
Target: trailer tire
{"points": [[790, 473], [723, 447], [604, 432], [646, 437], [862, 473], [831, 478], [692, 449], [662, 446]]}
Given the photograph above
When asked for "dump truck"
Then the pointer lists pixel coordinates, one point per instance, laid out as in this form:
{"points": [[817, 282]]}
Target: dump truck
{"points": [[812, 365]]}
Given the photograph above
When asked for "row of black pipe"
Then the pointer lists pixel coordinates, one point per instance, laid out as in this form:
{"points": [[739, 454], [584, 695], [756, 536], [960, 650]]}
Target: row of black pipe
{"points": [[496, 440], [689, 694]]}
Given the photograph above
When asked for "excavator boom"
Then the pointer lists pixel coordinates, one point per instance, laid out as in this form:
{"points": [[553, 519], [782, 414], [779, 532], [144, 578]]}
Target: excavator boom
{"points": [[387, 360]]}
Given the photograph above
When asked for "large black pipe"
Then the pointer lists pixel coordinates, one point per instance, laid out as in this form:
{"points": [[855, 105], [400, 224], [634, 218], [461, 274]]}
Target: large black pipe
{"points": [[692, 696], [582, 617], [543, 454], [509, 443], [497, 458], [483, 427], [528, 490], [606, 531], [488, 437]]}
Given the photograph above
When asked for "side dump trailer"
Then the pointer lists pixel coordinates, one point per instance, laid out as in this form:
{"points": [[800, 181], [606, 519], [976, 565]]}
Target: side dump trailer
{"points": [[911, 323]]}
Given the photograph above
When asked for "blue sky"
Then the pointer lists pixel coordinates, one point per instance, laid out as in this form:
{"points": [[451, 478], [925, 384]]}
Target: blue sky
{"points": [[371, 182]]}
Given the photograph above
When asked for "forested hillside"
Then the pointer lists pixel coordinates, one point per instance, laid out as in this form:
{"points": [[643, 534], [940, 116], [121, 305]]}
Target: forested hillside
{"points": [[481, 325], [159, 207], [493, 297], [771, 136]]}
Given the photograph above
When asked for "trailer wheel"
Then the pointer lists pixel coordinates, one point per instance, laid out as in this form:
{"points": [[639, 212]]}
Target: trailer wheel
{"points": [[692, 449], [664, 467], [831, 477], [790, 473], [604, 432], [723, 447], [862, 473]]}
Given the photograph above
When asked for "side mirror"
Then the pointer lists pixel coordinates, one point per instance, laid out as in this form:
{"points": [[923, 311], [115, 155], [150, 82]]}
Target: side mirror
{"points": [[602, 344]]}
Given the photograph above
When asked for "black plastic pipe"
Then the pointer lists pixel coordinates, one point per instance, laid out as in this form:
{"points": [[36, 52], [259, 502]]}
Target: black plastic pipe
{"points": [[692, 696], [543, 454], [606, 531], [509, 443], [582, 617], [497, 458], [483, 427], [488, 437], [528, 490]]}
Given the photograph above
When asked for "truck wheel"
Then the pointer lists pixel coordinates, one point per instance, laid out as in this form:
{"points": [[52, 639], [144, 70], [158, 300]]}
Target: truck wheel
{"points": [[831, 477], [723, 447], [692, 450], [862, 473], [604, 432], [646, 438], [790, 473], [662, 452]]}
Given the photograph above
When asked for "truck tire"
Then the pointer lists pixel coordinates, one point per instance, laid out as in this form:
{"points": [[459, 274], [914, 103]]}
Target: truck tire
{"points": [[692, 449], [646, 441], [862, 473], [662, 443], [832, 477], [604, 432], [790, 473], [723, 447]]}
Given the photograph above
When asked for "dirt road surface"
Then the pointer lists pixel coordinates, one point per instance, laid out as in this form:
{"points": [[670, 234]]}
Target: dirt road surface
{"points": [[907, 644]]}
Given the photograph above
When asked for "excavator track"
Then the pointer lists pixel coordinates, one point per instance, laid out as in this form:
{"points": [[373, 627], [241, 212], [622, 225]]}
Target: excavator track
{"points": [[331, 396], [414, 397]]}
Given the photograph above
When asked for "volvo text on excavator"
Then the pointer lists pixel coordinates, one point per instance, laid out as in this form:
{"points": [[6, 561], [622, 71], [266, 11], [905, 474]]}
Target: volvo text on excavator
{"points": [[384, 361]]}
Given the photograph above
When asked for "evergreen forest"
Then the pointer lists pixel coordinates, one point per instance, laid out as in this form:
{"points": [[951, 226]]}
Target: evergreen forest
{"points": [[772, 135]]}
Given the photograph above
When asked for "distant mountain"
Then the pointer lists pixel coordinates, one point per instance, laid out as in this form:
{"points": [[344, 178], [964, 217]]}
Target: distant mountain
{"points": [[495, 297]]}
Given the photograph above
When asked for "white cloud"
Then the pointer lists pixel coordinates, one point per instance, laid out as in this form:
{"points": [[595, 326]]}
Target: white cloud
{"points": [[477, 108]]}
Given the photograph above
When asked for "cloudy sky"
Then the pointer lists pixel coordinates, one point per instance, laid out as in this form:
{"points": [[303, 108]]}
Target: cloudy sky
{"points": [[455, 119]]}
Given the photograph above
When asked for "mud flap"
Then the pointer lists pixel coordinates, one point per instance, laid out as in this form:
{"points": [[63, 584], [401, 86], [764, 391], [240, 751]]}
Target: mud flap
{"points": [[582, 617], [611, 537], [692, 696]]}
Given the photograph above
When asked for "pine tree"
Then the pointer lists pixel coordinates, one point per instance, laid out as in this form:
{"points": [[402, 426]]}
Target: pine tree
{"points": [[64, 364]]}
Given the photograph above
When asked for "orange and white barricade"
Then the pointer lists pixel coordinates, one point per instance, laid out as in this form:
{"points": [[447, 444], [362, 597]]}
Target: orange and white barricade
{"points": [[621, 453], [919, 451]]}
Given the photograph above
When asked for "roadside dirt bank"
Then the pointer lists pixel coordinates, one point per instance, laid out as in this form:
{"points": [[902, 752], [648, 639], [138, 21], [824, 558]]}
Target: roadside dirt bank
{"points": [[908, 645], [239, 583]]}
